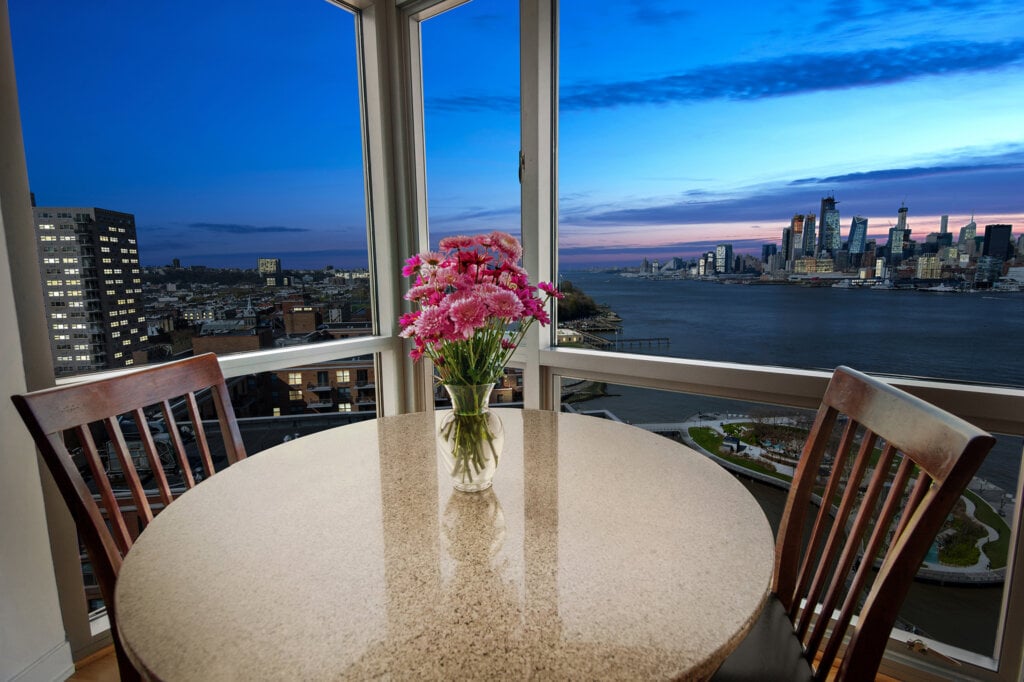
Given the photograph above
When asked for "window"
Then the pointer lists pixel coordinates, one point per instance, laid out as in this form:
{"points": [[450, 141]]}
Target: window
{"points": [[676, 241], [472, 150], [295, 378], [344, 407], [294, 395], [342, 376]]}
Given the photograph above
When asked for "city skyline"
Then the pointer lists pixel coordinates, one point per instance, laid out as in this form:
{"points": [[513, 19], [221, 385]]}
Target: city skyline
{"points": [[231, 144]]}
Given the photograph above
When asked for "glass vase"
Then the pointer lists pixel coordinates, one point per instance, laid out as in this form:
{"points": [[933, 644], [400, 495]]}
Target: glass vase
{"points": [[470, 438]]}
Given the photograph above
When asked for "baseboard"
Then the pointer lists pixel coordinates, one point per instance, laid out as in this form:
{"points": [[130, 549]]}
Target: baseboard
{"points": [[54, 665]]}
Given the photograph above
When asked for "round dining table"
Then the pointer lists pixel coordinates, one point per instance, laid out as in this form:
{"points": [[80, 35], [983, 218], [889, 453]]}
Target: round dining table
{"points": [[602, 551]]}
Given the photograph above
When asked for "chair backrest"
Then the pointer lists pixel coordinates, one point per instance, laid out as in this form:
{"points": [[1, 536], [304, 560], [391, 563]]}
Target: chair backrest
{"points": [[883, 489], [122, 448]]}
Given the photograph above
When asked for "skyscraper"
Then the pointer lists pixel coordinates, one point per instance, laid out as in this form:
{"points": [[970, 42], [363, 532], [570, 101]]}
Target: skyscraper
{"points": [[787, 243], [723, 258], [898, 236], [796, 227], [858, 234], [965, 242], [89, 267], [997, 242], [830, 240], [809, 235]]}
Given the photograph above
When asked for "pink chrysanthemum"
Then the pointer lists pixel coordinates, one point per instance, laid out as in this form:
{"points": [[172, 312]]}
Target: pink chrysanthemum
{"points": [[467, 315], [433, 323], [508, 245], [457, 242], [412, 266], [549, 289], [505, 304]]}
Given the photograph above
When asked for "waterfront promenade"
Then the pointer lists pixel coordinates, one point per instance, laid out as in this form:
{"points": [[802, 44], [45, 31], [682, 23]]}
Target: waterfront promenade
{"points": [[931, 570]]}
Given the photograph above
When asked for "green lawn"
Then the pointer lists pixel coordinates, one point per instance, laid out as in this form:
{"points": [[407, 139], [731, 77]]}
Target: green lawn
{"points": [[998, 549], [711, 440]]}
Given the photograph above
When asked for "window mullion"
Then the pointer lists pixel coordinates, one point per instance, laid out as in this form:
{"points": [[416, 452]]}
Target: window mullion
{"points": [[538, 115]]}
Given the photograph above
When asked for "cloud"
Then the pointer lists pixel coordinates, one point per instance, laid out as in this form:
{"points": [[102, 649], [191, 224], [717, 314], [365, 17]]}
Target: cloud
{"points": [[907, 173], [235, 228], [290, 260], [788, 75], [474, 103], [796, 74], [649, 14], [843, 11], [577, 255], [949, 186]]}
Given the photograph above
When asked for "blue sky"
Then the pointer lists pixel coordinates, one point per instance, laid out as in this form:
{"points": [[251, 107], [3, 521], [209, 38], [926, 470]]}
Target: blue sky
{"points": [[231, 129]]}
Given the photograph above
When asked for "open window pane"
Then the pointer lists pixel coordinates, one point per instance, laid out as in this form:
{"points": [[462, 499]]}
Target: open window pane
{"points": [[471, 111]]}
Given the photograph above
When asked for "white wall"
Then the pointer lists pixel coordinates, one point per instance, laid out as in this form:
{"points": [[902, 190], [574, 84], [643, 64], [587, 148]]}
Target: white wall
{"points": [[32, 641]]}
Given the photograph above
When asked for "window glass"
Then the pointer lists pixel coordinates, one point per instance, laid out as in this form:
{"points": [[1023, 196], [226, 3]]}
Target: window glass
{"points": [[211, 184], [847, 175], [471, 110], [761, 443]]}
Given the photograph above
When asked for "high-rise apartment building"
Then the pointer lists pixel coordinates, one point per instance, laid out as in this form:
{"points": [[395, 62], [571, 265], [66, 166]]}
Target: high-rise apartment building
{"points": [[830, 241], [723, 258], [89, 267], [270, 271]]}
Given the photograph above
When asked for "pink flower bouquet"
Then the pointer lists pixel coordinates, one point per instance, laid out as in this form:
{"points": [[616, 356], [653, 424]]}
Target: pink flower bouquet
{"points": [[475, 305]]}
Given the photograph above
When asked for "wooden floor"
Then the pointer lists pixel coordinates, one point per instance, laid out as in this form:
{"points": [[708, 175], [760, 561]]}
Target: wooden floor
{"points": [[102, 667]]}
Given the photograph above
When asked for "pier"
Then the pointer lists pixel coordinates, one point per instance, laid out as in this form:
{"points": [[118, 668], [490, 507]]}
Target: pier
{"points": [[595, 341]]}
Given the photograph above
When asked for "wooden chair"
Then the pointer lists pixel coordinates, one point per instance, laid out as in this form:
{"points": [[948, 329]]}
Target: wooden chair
{"points": [[80, 429], [883, 491]]}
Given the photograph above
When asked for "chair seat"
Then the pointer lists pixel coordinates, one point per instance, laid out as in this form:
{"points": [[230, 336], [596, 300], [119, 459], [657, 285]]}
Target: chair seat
{"points": [[770, 652]]}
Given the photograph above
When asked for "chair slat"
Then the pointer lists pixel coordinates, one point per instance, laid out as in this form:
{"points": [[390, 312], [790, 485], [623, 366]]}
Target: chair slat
{"points": [[180, 454], [867, 565], [836, 540], [106, 492], [821, 522], [791, 527], [131, 475], [862, 523], [200, 434], [153, 457], [914, 501]]}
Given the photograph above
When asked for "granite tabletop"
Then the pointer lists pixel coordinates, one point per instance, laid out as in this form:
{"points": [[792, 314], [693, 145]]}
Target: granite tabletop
{"points": [[601, 552]]}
